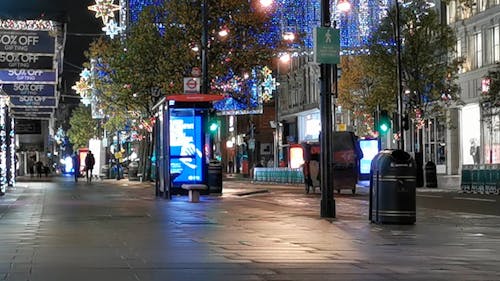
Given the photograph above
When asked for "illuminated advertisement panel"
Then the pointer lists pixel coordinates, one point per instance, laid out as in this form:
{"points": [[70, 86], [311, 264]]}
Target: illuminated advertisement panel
{"points": [[186, 146], [296, 156], [370, 150]]}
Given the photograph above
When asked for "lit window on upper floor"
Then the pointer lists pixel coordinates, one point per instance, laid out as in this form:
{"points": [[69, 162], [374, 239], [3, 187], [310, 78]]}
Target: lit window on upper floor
{"points": [[451, 12], [492, 45], [496, 43], [482, 5], [478, 50]]}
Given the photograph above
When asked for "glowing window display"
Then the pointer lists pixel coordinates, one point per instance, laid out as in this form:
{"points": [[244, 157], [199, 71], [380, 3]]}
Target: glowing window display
{"points": [[370, 150], [186, 157], [309, 126], [471, 134]]}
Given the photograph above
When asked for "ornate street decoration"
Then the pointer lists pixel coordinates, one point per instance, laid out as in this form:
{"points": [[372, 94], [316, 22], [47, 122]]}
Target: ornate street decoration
{"points": [[81, 87], [85, 74], [86, 101], [112, 29], [104, 9], [268, 84]]}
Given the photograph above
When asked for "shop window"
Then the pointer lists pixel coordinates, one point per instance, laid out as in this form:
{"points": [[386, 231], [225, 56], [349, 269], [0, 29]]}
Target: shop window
{"points": [[491, 133], [435, 141], [492, 45]]}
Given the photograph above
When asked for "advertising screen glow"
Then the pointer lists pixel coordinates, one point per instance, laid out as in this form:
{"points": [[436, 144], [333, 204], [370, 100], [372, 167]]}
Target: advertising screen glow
{"points": [[186, 148], [370, 150]]}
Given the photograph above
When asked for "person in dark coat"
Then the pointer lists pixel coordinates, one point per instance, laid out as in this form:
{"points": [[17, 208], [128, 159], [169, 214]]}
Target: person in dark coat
{"points": [[39, 168], [76, 165], [89, 165]]}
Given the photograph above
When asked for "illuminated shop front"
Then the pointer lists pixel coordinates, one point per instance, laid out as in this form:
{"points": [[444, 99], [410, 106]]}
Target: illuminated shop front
{"points": [[470, 122]]}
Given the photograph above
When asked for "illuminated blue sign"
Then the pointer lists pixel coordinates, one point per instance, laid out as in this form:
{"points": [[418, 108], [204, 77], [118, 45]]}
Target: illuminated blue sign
{"points": [[370, 149], [186, 147], [28, 76]]}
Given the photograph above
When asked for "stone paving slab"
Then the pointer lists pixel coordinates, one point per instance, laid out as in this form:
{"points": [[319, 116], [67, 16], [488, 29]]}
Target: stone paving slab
{"points": [[112, 230]]}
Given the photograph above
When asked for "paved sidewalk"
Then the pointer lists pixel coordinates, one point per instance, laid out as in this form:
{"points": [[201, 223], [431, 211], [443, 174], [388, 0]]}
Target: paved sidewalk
{"points": [[117, 230]]}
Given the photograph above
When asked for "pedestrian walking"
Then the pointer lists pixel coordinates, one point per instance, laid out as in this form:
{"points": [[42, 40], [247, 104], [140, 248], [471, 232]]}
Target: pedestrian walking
{"points": [[31, 168], [39, 168], [89, 165], [76, 165]]}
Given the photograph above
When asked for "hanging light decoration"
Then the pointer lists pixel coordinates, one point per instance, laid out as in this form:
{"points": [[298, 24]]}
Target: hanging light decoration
{"points": [[81, 87], [85, 74], [104, 9], [112, 29], [4, 101]]}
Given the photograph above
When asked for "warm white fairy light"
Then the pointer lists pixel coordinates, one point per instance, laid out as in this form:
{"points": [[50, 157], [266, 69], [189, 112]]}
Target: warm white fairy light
{"points": [[28, 25], [123, 14]]}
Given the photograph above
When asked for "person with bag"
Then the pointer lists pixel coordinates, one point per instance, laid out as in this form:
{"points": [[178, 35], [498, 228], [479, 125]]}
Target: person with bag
{"points": [[89, 165]]}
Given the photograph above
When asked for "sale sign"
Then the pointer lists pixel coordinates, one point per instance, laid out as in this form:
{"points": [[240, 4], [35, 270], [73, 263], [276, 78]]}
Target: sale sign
{"points": [[28, 76], [26, 61], [33, 101], [25, 41], [29, 90]]}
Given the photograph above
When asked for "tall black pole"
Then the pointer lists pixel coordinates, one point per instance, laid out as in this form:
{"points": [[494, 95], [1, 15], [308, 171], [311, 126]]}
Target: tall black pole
{"points": [[204, 47], [401, 143], [326, 161]]}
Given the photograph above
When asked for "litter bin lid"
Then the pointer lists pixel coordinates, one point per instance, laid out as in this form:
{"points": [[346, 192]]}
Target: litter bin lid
{"points": [[430, 164], [391, 159]]}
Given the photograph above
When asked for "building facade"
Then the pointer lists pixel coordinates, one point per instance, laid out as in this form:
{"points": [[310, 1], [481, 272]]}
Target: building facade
{"points": [[477, 25]]}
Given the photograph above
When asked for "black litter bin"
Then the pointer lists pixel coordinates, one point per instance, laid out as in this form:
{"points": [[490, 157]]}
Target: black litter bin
{"points": [[214, 178], [393, 188], [431, 175]]}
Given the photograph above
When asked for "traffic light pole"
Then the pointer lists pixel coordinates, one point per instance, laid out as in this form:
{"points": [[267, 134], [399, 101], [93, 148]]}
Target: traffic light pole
{"points": [[326, 156]]}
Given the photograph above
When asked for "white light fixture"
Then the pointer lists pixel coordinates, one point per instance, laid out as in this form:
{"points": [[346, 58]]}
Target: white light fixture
{"points": [[266, 3], [285, 57], [344, 6], [223, 32], [288, 36]]}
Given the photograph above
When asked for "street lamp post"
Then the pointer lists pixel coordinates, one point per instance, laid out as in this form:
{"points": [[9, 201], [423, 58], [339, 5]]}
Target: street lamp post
{"points": [[285, 58], [401, 143], [204, 47], [326, 159]]}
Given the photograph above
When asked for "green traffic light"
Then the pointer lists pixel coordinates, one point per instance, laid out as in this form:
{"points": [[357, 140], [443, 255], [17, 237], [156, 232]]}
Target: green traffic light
{"points": [[384, 128], [384, 123], [213, 127]]}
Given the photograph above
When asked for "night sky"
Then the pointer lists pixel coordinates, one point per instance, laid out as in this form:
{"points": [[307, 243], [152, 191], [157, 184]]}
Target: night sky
{"points": [[81, 24]]}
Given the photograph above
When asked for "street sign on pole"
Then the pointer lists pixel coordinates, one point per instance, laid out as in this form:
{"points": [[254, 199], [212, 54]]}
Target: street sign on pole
{"points": [[191, 85], [326, 45]]}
